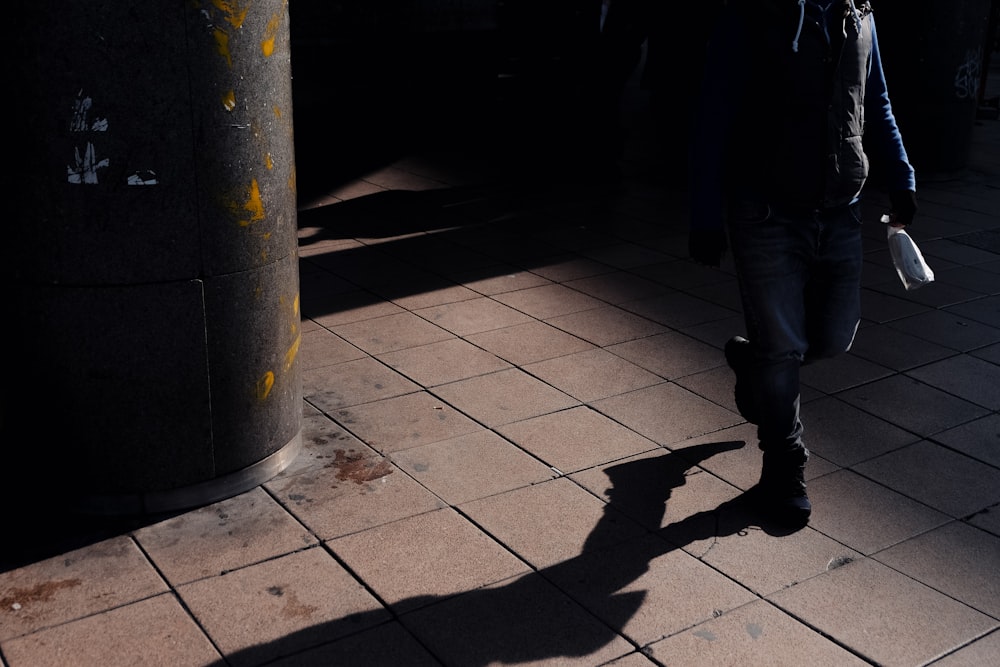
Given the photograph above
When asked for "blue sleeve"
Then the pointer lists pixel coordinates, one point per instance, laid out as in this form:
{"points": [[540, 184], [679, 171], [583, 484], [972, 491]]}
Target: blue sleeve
{"points": [[716, 105], [882, 132]]}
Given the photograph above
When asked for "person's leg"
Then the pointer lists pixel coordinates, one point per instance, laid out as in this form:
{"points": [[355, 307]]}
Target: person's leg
{"points": [[833, 293], [773, 256]]}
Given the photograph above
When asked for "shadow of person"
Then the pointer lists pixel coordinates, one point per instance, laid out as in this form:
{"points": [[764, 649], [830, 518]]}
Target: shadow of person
{"points": [[575, 608]]}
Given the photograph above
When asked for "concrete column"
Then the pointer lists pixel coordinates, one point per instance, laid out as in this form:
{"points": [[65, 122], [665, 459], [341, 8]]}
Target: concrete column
{"points": [[152, 258]]}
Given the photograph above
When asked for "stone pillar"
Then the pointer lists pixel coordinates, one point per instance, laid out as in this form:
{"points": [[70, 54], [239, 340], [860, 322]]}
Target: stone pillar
{"points": [[152, 257]]}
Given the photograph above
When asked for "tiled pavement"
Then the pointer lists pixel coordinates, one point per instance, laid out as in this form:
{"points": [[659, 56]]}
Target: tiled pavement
{"points": [[521, 448]]}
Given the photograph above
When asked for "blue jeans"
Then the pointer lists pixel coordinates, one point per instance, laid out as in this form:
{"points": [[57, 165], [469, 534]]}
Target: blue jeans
{"points": [[800, 280]]}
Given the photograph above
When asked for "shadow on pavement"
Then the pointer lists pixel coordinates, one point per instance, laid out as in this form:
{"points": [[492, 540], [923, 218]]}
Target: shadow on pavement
{"points": [[534, 617]]}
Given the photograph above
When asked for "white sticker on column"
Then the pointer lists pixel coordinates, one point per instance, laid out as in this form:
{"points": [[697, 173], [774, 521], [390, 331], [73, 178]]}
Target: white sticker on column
{"points": [[81, 109], [86, 167], [142, 178]]}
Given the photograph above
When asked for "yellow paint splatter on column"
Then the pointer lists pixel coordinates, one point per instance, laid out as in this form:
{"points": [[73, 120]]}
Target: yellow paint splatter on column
{"points": [[229, 100], [254, 205], [270, 33], [268, 162], [234, 14], [222, 44], [292, 352], [264, 385]]}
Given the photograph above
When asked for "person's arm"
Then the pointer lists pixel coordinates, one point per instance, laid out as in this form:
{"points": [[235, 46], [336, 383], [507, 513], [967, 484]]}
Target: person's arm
{"points": [[887, 141], [714, 115]]}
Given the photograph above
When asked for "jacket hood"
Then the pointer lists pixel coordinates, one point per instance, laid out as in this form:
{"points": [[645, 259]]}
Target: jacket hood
{"points": [[851, 10]]}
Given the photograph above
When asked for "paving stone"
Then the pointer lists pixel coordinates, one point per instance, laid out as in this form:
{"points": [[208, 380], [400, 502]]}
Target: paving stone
{"points": [[632, 660], [353, 383], [883, 615], [387, 644], [504, 278], [938, 477], [990, 353], [592, 375], [667, 413], [322, 439], [576, 438], [881, 308], [331, 310], [321, 347], [504, 397], [223, 536], [660, 488], [978, 653], [357, 489], [424, 559], [567, 518], [842, 372], [671, 355], [716, 385], [765, 558], [471, 466], [548, 301], [406, 421], [846, 435], [754, 634], [974, 278], [965, 376], [647, 588], [866, 516], [443, 362], [679, 274], [956, 559], [425, 293], [617, 287], [913, 405], [951, 330], [520, 621], [896, 349], [391, 332], [281, 606], [988, 519], [570, 267], [86, 581], [677, 310], [473, 316], [156, 631], [526, 343], [606, 325]]}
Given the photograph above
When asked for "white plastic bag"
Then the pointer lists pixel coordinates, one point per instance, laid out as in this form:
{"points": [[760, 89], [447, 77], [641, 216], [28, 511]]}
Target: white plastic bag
{"points": [[906, 257]]}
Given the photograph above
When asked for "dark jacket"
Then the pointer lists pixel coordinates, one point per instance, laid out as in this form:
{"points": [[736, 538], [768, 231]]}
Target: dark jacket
{"points": [[786, 106]]}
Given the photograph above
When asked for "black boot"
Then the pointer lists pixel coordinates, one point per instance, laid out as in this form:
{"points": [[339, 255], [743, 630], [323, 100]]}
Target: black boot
{"points": [[739, 357], [782, 487]]}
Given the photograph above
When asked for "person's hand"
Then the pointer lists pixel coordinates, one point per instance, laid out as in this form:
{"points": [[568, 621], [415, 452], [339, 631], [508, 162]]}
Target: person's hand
{"points": [[904, 207], [707, 246]]}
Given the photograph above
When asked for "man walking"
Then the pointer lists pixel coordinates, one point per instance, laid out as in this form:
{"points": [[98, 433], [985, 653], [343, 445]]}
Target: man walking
{"points": [[793, 95]]}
